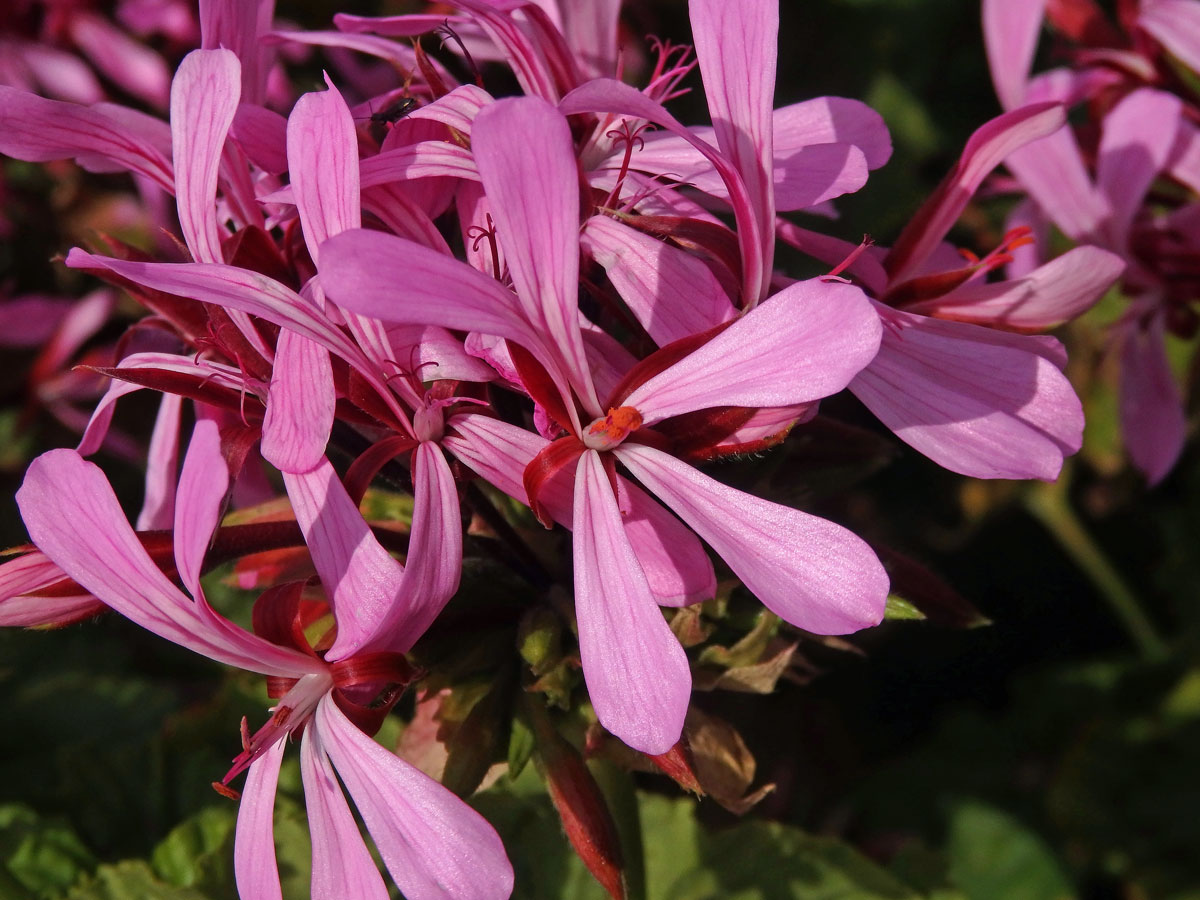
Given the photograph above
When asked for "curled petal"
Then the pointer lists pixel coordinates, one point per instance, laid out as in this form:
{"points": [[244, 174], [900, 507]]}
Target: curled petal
{"points": [[1010, 31], [300, 404], [1176, 25], [361, 580], [813, 573], [1046, 297]]}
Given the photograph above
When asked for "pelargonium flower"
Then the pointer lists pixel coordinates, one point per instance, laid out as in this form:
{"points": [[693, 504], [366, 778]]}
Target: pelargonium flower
{"points": [[433, 845], [806, 342], [1101, 193]]}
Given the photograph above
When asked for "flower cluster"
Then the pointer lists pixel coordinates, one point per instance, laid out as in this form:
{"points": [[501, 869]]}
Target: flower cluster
{"points": [[567, 297], [1125, 178]]}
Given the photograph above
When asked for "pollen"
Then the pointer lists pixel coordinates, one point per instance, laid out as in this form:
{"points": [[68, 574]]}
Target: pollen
{"points": [[609, 431]]}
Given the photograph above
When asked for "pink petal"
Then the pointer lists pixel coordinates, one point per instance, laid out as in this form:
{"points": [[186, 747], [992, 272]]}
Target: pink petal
{"points": [[830, 120], [1052, 170], [204, 98], [23, 575], [533, 187], [1185, 158], [806, 342], [254, 863], [980, 402], [1176, 25], [300, 404], [202, 486], [133, 66], [62, 75], [158, 506], [736, 48], [591, 33], [30, 320], [817, 575], [434, 563], [834, 251], [362, 269], [1010, 31], [672, 293], [64, 497], [1152, 418], [989, 146], [38, 130], [360, 579], [675, 564], [424, 159], [438, 354], [636, 672], [1138, 137], [323, 163], [237, 25], [1048, 296], [262, 135], [433, 844], [341, 864]]}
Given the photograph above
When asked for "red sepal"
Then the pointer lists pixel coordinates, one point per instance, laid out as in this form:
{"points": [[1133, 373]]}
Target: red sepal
{"points": [[659, 361], [677, 763], [364, 469], [540, 386], [548, 463]]}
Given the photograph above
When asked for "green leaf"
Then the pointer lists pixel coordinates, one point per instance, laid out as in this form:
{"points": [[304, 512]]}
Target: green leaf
{"points": [[899, 608], [198, 853], [754, 861], [993, 856], [132, 879], [41, 856]]}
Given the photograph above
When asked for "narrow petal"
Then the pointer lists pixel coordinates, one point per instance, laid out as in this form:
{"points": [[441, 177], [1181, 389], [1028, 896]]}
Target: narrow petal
{"points": [[361, 580], [1152, 417], [204, 99], [64, 497], [980, 402], [806, 342], [28, 573], [341, 864], [434, 563], [989, 146], [533, 187], [591, 33], [433, 844], [323, 163], [254, 863], [829, 120], [262, 135], [1010, 31], [162, 462], [1138, 137], [202, 486], [1176, 25], [237, 25], [637, 673], [672, 293], [38, 130], [300, 404], [815, 574], [1048, 296], [736, 48]]}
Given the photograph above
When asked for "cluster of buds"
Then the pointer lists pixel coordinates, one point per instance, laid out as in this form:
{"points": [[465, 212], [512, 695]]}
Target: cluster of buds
{"points": [[557, 306]]}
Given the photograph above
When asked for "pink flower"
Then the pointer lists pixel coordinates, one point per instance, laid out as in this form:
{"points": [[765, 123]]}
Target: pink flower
{"points": [[804, 343], [433, 845]]}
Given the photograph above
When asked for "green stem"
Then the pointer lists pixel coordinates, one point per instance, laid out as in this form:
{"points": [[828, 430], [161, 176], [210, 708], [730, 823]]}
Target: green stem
{"points": [[1050, 505]]}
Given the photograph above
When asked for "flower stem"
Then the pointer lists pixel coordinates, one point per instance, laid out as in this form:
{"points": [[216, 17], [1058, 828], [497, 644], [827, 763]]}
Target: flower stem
{"points": [[1050, 504]]}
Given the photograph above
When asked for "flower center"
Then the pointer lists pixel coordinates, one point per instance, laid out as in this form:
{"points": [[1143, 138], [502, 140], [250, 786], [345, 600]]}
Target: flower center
{"points": [[608, 431]]}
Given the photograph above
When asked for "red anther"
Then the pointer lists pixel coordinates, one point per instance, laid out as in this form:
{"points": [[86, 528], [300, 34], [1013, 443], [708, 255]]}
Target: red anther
{"points": [[613, 428], [282, 714], [226, 791], [968, 255], [244, 730]]}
